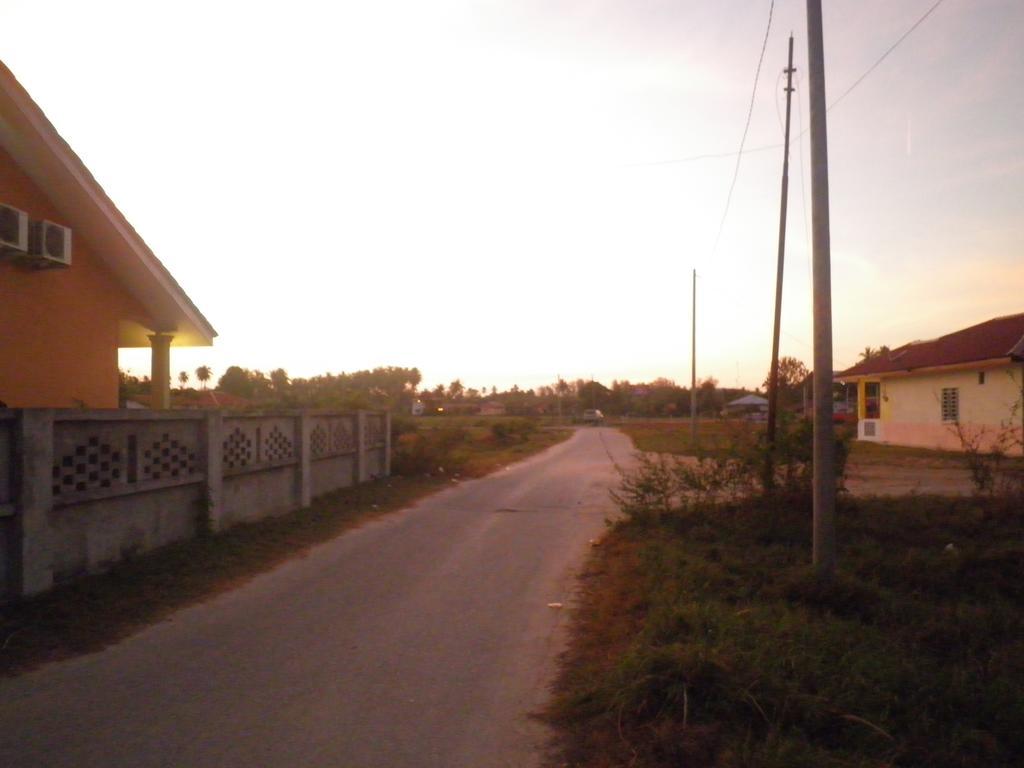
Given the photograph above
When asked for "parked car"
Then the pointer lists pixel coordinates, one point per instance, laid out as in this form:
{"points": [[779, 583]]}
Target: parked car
{"points": [[844, 412], [593, 416]]}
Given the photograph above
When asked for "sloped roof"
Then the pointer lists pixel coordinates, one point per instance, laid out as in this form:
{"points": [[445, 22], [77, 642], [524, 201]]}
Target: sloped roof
{"points": [[37, 148], [1001, 337], [747, 400]]}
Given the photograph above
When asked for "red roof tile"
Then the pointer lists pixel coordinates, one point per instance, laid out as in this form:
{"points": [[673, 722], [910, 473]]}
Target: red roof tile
{"points": [[999, 337]]}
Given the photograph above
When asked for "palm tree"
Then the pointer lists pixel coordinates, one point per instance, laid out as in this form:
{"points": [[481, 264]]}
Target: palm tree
{"points": [[183, 379], [279, 380], [203, 373], [868, 353]]}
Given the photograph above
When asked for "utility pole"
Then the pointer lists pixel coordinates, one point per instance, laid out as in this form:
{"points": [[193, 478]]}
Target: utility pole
{"points": [[773, 375], [558, 392], [824, 438], [693, 367]]}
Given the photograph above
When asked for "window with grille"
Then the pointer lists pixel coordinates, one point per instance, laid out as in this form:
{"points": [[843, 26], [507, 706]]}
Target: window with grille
{"points": [[951, 404]]}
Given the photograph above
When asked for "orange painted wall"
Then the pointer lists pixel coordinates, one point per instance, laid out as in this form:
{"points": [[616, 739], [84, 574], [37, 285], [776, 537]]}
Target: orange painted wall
{"points": [[58, 327]]}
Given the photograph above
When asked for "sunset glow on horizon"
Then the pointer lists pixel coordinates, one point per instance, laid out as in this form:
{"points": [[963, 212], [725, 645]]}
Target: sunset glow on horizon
{"points": [[480, 189]]}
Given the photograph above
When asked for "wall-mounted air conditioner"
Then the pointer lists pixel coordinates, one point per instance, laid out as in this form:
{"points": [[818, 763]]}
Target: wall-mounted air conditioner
{"points": [[49, 245], [13, 230]]}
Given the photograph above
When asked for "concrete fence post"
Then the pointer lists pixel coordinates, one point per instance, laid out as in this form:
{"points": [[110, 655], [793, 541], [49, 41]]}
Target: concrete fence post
{"points": [[362, 465], [387, 443], [212, 443], [34, 501], [304, 469]]}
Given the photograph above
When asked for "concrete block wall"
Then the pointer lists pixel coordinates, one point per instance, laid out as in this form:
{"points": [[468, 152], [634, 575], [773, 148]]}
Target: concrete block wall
{"points": [[80, 490], [7, 521]]}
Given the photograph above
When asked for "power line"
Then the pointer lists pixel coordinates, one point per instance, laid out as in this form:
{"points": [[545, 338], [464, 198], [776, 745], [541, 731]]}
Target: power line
{"points": [[843, 95], [694, 158], [778, 113], [883, 57], [803, 193], [746, 127]]}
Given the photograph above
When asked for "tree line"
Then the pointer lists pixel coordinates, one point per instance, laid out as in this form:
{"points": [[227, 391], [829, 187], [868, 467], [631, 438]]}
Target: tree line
{"points": [[397, 389]]}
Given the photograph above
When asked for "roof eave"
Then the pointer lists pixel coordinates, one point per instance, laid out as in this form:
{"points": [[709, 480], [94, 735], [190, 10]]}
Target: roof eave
{"points": [[967, 365], [44, 155]]}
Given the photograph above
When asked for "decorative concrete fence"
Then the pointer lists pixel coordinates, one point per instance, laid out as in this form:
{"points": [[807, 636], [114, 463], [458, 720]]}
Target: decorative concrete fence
{"points": [[80, 490]]}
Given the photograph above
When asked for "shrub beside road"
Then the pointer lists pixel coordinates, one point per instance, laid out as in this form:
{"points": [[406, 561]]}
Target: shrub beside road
{"points": [[701, 636]]}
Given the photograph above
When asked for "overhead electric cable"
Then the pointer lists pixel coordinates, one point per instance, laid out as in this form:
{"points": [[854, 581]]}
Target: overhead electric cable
{"points": [[843, 95], [694, 158], [746, 127], [803, 193], [883, 57]]}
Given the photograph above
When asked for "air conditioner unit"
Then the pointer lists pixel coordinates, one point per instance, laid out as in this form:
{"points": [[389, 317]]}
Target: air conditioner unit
{"points": [[49, 245], [13, 230]]}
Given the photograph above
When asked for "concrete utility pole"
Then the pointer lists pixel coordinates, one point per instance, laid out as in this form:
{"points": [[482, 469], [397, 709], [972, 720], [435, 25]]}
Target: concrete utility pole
{"points": [[773, 376], [824, 437], [693, 366]]}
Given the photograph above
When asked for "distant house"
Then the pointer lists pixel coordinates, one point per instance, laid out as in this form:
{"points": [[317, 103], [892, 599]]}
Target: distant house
{"points": [[919, 393], [492, 408], [748, 404], [417, 408], [77, 282]]}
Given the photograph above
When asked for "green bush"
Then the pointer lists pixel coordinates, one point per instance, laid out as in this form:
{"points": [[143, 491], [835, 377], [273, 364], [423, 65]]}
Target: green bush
{"points": [[419, 452], [513, 430], [738, 469]]}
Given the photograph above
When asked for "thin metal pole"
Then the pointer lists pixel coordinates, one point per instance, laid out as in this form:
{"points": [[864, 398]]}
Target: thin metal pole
{"points": [[824, 438], [693, 366], [558, 392], [773, 376]]}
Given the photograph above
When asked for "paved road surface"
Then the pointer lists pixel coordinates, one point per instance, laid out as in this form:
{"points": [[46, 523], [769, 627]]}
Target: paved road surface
{"points": [[420, 639]]}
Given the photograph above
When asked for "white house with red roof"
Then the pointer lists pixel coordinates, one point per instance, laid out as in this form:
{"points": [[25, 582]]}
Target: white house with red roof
{"points": [[922, 393]]}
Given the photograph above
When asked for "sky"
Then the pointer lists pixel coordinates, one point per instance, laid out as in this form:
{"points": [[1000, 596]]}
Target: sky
{"points": [[486, 189]]}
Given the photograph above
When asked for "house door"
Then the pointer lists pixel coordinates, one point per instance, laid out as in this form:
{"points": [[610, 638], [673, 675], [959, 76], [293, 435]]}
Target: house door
{"points": [[872, 400]]}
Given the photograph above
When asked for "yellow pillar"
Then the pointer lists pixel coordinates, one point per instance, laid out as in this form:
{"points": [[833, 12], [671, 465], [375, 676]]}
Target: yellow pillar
{"points": [[861, 408], [160, 370]]}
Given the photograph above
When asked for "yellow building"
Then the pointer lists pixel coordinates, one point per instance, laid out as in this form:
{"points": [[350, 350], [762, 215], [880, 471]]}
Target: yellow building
{"points": [[76, 280], [968, 384]]}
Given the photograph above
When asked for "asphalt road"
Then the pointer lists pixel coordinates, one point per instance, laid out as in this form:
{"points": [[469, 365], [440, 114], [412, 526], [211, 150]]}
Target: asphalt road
{"points": [[421, 639]]}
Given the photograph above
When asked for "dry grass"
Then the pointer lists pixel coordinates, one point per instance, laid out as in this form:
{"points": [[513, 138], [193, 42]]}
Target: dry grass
{"points": [[701, 638], [716, 436]]}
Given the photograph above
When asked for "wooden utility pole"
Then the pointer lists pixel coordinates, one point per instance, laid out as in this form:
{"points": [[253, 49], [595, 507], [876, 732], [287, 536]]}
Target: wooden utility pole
{"points": [[773, 376], [693, 366], [824, 437]]}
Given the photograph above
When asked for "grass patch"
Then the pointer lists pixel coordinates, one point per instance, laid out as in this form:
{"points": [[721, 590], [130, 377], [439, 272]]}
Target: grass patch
{"points": [[868, 453], [95, 611], [468, 446], [715, 437], [701, 638]]}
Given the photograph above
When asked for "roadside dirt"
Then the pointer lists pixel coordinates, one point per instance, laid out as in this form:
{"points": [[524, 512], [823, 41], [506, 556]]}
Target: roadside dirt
{"points": [[901, 476], [870, 479]]}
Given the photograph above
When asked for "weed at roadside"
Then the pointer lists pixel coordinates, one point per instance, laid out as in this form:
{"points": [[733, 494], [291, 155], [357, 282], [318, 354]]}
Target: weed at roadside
{"points": [[703, 638]]}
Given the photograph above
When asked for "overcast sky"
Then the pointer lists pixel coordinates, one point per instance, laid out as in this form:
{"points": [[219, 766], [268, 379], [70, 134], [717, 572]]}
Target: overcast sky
{"points": [[476, 188]]}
